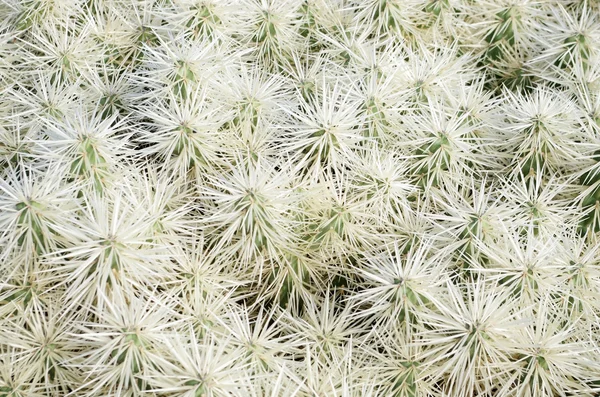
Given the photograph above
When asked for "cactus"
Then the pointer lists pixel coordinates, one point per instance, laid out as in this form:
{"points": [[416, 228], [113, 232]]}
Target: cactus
{"points": [[299, 198]]}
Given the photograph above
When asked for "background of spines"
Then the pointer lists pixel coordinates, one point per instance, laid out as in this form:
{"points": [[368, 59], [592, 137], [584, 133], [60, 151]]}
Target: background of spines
{"points": [[299, 198]]}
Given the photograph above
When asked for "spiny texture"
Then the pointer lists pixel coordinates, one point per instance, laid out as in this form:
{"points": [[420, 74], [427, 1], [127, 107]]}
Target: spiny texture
{"points": [[299, 198]]}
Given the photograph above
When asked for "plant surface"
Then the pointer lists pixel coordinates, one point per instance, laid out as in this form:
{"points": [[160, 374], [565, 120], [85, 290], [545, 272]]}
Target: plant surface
{"points": [[299, 198]]}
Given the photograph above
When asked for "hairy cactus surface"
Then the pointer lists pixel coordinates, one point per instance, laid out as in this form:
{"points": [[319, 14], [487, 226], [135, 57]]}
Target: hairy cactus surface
{"points": [[310, 198]]}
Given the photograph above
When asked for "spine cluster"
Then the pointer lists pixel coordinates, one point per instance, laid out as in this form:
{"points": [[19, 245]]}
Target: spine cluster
{"points": [[299, 198]]}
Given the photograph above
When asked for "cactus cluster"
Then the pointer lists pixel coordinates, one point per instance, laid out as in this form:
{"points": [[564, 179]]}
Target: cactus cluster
{"points": [[299, 198]]}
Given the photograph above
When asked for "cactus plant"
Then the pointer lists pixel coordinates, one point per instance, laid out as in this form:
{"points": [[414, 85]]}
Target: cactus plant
{"points": [[210, 198]]}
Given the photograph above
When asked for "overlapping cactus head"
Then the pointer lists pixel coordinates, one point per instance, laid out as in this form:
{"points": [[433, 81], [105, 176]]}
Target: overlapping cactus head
{"points": [[299, 198]]}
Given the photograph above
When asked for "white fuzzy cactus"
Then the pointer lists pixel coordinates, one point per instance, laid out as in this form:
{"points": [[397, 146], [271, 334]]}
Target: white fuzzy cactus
{"points": [[299, 198]]}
